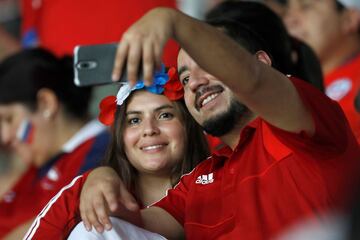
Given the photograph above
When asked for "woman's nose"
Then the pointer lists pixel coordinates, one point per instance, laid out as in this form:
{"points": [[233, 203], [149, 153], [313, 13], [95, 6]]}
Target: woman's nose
{"points": [[150, 127]]}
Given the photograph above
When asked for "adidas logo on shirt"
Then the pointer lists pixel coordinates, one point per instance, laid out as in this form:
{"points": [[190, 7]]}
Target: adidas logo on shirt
{"points": [[205, 179]]}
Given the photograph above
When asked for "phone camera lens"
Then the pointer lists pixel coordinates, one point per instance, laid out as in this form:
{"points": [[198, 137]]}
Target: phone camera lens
{"points": [[84, 65]]}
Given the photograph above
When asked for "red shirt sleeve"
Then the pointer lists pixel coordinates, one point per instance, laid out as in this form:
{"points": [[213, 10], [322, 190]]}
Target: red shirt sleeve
{"points": [[60, 215], [333, 135]]}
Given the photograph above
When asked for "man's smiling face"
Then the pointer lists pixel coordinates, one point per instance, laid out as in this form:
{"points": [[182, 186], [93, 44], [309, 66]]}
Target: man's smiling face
{"points": [[210, 102]]}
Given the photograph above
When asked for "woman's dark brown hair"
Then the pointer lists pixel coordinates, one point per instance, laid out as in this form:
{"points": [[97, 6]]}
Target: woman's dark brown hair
{"points": [[196, 147]]}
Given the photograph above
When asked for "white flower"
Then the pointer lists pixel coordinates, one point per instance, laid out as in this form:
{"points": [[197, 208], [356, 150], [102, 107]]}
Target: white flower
{"points": [[123, 93]]}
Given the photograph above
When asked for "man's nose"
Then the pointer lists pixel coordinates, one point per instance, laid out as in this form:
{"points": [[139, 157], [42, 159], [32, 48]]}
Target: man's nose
{"points": [[198, 78]]}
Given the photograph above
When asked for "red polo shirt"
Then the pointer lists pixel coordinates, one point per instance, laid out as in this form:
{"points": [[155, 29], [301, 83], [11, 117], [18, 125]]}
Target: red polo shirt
{"points": [[342, 85], [272, 179]]}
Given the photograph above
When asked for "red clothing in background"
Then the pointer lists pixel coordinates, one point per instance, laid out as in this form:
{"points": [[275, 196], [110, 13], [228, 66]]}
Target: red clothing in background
{"points": [[60, 25], [342, 85]]}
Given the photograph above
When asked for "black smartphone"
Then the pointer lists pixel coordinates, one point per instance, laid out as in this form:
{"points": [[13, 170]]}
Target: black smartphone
{"points": [[93, 64]]}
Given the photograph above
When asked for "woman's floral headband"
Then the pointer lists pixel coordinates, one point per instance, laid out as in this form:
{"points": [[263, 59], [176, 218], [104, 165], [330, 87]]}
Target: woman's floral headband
{"points": [[163, 83]]}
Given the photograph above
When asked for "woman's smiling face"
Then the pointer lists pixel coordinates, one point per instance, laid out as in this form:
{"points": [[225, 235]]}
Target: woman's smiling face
{"points": [[154, 136]]}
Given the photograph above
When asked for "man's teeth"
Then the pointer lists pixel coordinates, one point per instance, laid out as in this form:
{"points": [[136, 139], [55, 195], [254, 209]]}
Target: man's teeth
{"points": [[152, 147], [209, 98]]}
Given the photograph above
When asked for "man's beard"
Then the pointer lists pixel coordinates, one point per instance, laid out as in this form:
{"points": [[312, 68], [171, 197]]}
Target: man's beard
{"points": [[224, 122]]}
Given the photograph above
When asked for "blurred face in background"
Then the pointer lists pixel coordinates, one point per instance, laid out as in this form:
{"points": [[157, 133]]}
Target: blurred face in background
{"points": [[25, 133], [317, 22], [11, 118]]}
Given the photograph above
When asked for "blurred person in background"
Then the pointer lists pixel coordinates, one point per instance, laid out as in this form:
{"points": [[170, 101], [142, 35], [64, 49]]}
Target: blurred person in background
{"points": [[332, 29], [9, 32], [44, 120]]}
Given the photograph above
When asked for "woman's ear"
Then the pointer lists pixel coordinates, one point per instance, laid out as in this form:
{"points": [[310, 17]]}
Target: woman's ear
{"points": [[263, 57], [47, 103]]}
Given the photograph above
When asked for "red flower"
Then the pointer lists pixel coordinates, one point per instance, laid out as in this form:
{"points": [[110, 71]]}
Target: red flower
{"points": [[107, 110], [173, 89]]}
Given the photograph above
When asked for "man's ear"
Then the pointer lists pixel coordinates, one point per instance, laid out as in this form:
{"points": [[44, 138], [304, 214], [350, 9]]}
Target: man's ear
{"points": [[263, 57], [47, 103], [350, 20]]}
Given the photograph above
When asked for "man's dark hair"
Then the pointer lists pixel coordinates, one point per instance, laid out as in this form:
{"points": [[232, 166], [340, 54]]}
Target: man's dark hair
{"points": [[264, 22], [242, 34], [22, 75]]}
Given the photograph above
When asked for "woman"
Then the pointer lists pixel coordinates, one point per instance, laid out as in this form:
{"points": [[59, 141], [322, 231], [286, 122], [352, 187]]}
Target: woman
{"points": [[45, 122], [149, 150]]}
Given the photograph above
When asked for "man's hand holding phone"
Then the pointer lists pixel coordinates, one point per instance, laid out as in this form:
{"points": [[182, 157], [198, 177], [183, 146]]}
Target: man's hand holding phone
{"points": [[143, 43]]}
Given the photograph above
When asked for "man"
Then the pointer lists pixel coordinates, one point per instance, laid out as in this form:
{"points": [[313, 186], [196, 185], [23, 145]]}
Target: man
{"points": [[332, 29], [290, 153]]}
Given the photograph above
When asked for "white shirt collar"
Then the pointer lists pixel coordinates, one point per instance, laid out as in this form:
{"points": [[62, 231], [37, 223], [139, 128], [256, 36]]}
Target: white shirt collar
{"points": [[88, 131]]}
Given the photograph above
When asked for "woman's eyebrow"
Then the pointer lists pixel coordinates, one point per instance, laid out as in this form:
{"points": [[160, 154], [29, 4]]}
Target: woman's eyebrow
{"points": [[133, 112], [155, 110], [163, 107]]}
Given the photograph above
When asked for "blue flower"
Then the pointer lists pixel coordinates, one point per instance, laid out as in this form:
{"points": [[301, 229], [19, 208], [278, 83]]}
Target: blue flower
{"points": [[157, 87]]}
